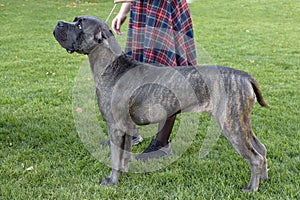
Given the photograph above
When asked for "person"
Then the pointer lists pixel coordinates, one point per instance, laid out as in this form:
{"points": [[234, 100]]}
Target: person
{"points": [[161, 33]]}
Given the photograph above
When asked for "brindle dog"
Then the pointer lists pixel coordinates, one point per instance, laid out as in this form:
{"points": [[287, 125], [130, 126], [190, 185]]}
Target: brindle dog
{"points": [[133, 93]]}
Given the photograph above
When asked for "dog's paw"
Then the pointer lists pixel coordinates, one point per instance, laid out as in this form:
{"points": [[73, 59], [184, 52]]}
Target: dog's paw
{"points": [[250, 189], [109, 181]]}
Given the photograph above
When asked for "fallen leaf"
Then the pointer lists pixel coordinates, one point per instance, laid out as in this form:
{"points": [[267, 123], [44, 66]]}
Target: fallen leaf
{"points": [[79, 110]]}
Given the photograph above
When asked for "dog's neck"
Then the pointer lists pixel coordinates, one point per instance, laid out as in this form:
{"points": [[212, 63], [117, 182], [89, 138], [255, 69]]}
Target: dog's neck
{"points": [[100, 58]]}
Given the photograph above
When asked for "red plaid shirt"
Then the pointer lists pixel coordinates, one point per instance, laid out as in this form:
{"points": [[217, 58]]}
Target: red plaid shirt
{"points": [[161, 32]]}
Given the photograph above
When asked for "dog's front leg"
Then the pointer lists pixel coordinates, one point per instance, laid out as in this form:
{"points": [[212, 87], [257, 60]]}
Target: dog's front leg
{"points": [[120, 142]]}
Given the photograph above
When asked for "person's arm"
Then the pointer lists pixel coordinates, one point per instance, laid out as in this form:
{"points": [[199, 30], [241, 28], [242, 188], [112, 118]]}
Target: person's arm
{"points": [[120, 18]]}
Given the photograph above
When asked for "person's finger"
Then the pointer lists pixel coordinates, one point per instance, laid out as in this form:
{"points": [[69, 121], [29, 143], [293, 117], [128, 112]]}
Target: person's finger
{"points": [[116, 25]]}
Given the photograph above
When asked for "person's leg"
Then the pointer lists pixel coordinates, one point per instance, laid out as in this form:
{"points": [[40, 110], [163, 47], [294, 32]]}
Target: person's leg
{"points": [[160, 146], [165, 130]]}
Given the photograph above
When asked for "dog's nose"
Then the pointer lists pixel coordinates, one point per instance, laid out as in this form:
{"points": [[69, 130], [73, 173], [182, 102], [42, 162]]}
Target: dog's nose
{"points": [[60, 24]]}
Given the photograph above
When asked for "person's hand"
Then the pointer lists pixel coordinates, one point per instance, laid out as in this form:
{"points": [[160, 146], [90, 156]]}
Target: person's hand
{"points": [[120, 18], [117, 23]]}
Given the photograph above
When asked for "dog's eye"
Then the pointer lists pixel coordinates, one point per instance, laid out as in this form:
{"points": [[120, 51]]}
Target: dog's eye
{"points": [[78, 23]]}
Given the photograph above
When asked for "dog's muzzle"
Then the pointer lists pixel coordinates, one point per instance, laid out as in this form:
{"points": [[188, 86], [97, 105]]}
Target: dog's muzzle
{"points": [[60, 34]]}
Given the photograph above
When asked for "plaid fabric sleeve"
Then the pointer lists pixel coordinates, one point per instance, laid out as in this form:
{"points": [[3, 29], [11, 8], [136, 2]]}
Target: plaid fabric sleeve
{"points": [[161, 32]]}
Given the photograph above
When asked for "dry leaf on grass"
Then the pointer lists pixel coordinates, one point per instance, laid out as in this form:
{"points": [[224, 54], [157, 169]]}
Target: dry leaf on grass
{"points": [[79, 110]]}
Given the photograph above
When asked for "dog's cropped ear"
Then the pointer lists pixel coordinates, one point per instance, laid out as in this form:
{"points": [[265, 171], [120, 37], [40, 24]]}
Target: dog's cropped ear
{"points": [[108, 38]]}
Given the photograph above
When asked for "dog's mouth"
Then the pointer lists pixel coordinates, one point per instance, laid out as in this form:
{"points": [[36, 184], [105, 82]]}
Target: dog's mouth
{"points": [[70, 51]]}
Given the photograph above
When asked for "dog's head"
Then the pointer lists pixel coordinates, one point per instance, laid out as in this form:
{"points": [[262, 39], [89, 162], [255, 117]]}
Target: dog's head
{"points": [[84, 34]]}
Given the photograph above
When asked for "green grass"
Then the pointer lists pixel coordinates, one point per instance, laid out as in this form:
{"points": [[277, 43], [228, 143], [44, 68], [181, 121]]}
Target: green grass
{"points": [[37, 126]]}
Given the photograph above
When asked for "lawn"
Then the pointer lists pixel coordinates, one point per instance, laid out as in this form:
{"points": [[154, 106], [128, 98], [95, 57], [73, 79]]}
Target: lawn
{"points": [[44, 154]]}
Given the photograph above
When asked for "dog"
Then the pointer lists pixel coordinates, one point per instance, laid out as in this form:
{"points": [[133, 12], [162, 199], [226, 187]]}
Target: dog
{"points": [[131, 93]]}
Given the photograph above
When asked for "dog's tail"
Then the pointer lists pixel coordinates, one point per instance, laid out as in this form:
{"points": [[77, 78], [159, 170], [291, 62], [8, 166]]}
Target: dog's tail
{"points": [[258, 92]]}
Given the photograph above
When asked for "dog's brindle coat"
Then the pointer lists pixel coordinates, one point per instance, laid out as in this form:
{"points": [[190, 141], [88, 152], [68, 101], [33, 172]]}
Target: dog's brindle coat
{"points": [[131, 93]]}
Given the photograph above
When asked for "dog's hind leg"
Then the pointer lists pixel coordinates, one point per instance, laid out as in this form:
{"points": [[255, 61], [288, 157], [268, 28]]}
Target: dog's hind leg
{"points": [[238, 131]]}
